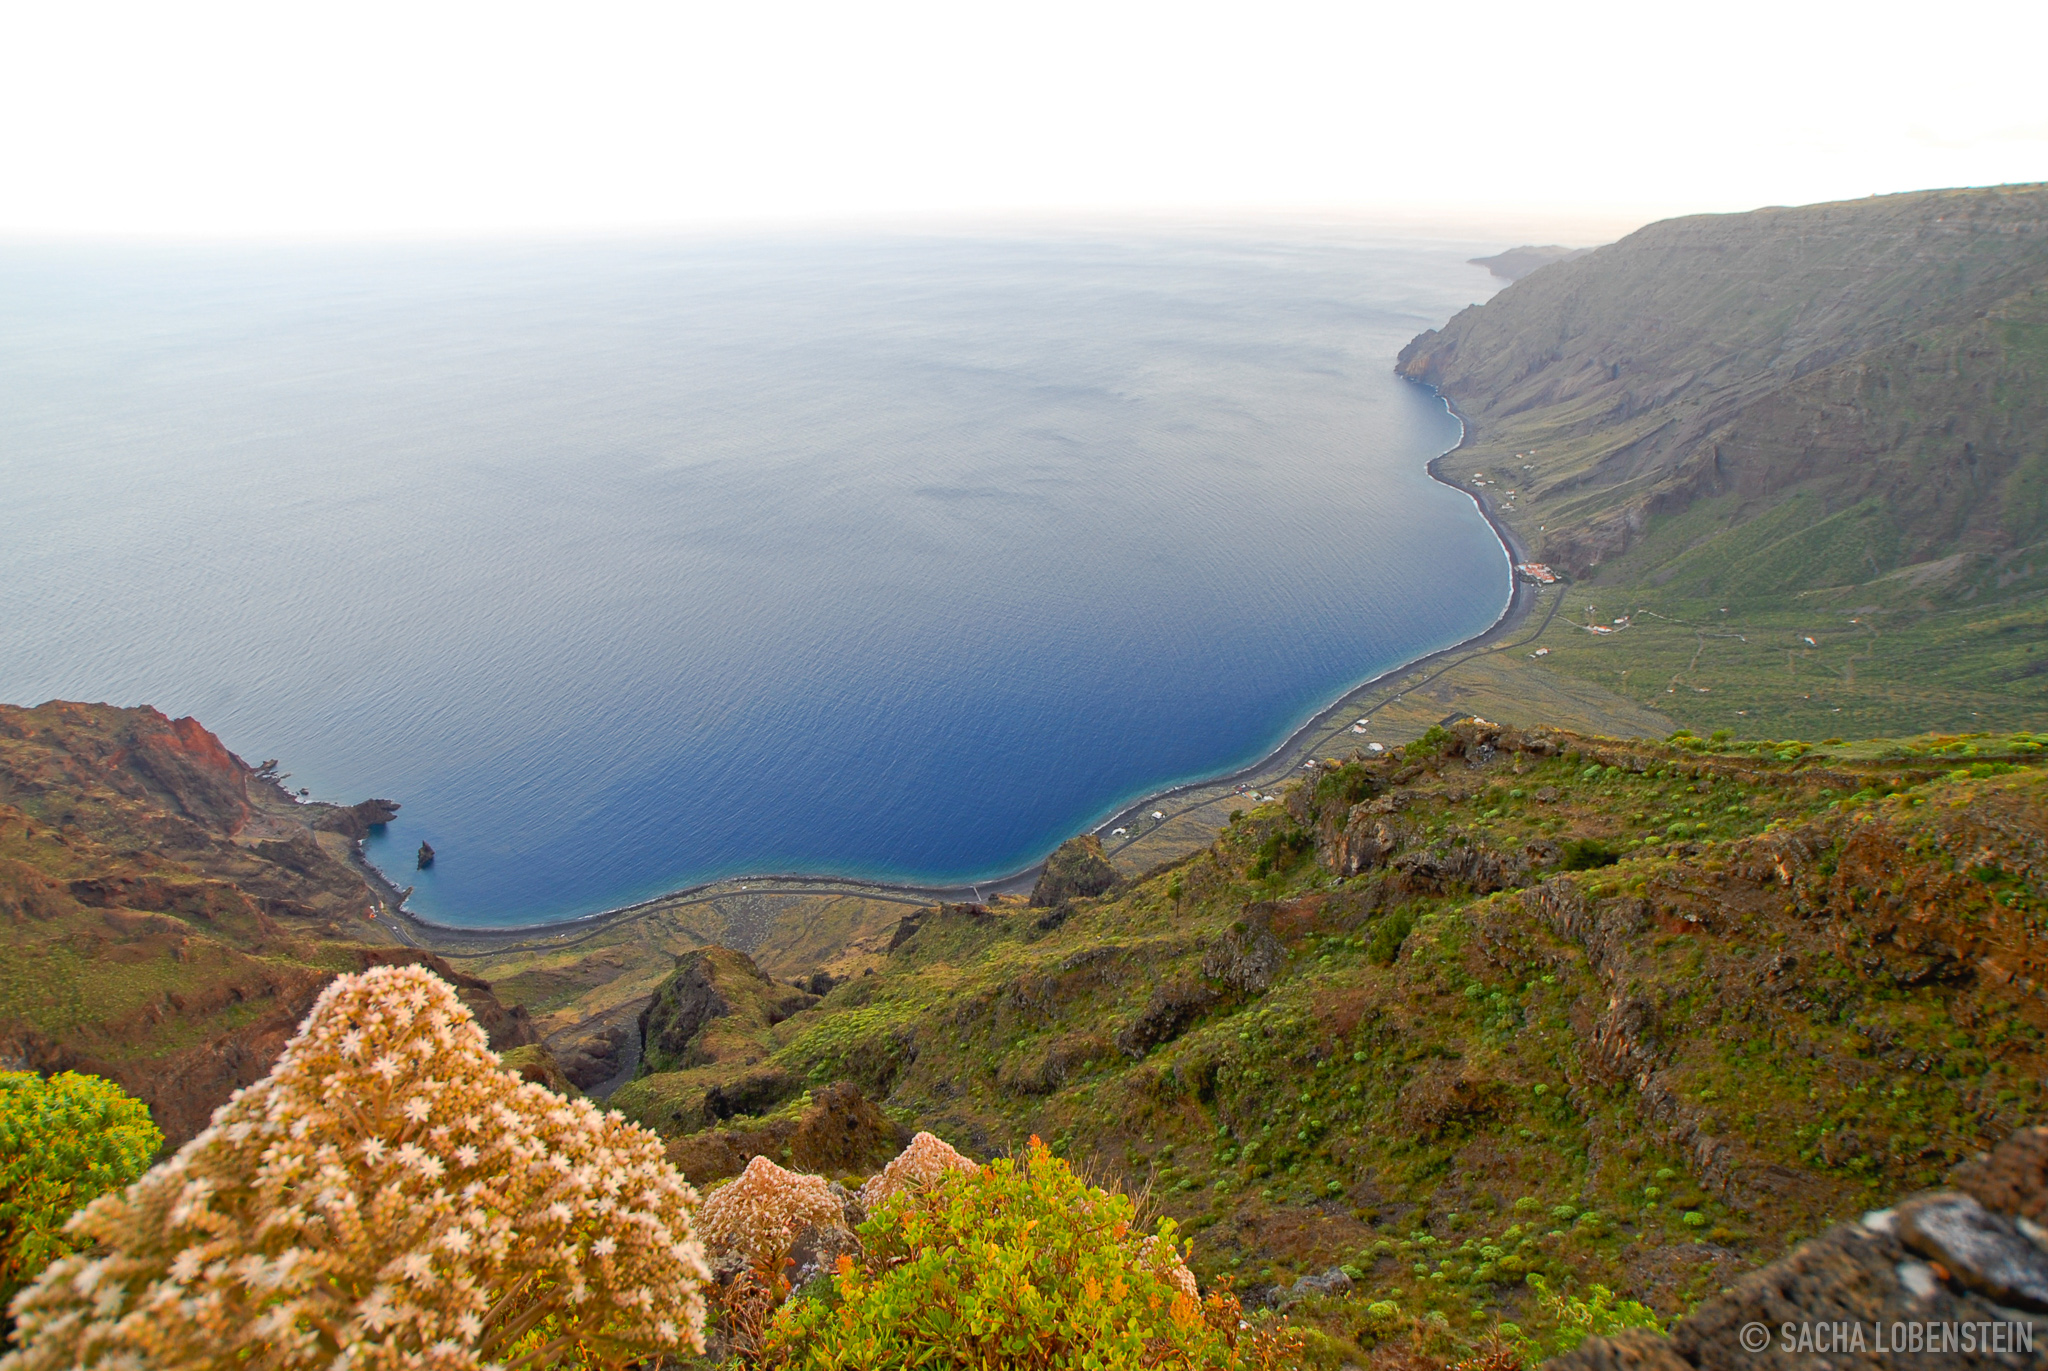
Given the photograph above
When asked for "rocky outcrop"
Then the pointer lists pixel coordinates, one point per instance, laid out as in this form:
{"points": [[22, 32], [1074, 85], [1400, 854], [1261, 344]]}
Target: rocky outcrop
{"points": [[356, 821], [1240, 965], [592, 1054], [1965, 1267], [709, 985], [1365, 841], [1247, 958], [937, 916], [208, 783], [1172, 1008], [1077, 869], [1045, 1069]]}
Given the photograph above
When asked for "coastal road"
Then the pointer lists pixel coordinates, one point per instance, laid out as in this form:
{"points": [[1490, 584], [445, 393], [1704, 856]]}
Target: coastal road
{"points": [[1318, 735]]}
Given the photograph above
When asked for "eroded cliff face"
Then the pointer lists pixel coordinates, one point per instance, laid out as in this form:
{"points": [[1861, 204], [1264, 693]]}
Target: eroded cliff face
{"points": [[152, 788], [168, 914], [1887, 350]]}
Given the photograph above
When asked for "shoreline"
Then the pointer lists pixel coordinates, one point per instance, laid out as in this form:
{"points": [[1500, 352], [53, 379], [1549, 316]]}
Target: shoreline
{"points": [[1521, 599]]}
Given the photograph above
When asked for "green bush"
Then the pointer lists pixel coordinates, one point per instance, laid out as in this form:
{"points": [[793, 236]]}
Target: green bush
{"points": [[1585, 854], [1599, 1315], [1280, 851], [1017, 1264], [64, 1142], [1388, 935], [1427, 744]]}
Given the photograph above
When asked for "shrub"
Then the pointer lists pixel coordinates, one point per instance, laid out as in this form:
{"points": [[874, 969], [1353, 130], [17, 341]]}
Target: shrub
{"points": [[1599, 1315], [1388, 935], [1586, 855], [1018, 1265], [1427, 745], [64, 1142], [386, 1197], [918, 1167], [758, 1216], [1280, 851]]}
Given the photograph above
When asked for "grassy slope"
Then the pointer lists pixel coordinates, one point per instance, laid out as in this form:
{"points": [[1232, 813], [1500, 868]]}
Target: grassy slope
{"points": [[1749, 430], [134, 985], [1789, 1001]]}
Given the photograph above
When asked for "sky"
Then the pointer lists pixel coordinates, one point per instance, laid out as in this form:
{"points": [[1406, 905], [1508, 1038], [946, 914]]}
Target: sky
{"points": [[319, 120]]}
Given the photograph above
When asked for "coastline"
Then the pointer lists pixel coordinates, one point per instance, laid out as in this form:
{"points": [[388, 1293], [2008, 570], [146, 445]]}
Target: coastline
{"points": [[1280, 761], [1521, 599]]}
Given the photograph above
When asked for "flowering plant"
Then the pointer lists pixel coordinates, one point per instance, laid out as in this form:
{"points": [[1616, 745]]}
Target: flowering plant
{"points": [[920, 1166], [759, 1215], [386, 1197]]}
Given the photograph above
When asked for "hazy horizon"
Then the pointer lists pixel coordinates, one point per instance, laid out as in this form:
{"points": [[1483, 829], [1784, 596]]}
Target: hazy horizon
{"points": [[239, 121]]}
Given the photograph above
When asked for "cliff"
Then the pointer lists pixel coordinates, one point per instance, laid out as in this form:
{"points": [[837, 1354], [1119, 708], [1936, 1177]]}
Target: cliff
{"points": [[1884, 350], [1790, 462], [1516, 263], [1077, 869], [168, 914]]}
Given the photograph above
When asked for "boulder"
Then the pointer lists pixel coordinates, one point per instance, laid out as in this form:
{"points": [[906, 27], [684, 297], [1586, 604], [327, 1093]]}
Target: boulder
{"points": [[1971, 1255]]}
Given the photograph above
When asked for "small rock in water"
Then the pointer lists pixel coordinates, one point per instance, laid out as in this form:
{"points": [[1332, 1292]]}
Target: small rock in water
{"points": [[426, 856]]}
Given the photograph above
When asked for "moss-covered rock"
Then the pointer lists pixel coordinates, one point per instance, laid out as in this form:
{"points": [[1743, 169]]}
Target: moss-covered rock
{"points": [[535, 1063], [714, 1008], [1077, 869]]}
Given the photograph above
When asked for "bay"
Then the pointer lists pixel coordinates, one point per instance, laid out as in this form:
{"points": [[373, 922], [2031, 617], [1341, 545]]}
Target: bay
{"points": [[629, 565]]}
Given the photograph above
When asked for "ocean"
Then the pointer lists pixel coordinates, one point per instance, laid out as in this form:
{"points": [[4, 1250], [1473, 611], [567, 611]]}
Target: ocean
{"points": [[625, 566]]}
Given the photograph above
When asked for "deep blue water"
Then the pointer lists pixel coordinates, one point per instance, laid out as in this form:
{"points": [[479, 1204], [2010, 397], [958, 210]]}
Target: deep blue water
{"points": [[627, 566]]}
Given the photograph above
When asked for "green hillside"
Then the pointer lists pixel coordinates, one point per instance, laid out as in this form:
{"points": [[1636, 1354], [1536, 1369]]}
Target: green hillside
{"points": [[1742, 432], [1619, 1013]]}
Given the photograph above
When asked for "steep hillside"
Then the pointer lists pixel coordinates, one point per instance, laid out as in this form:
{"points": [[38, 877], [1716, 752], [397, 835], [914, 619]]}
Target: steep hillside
{"points": [[1792, 430], [168, 913], [1628, 367], [1628, 1013]]}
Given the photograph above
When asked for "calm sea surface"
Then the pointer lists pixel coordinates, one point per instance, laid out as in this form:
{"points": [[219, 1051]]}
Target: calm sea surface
{"points": [[625, 567]]}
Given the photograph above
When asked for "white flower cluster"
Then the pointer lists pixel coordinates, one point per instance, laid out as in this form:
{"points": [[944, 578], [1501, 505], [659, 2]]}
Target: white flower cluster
{"points": [[387, 1197], [760, 1215], [917, 1167]]}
